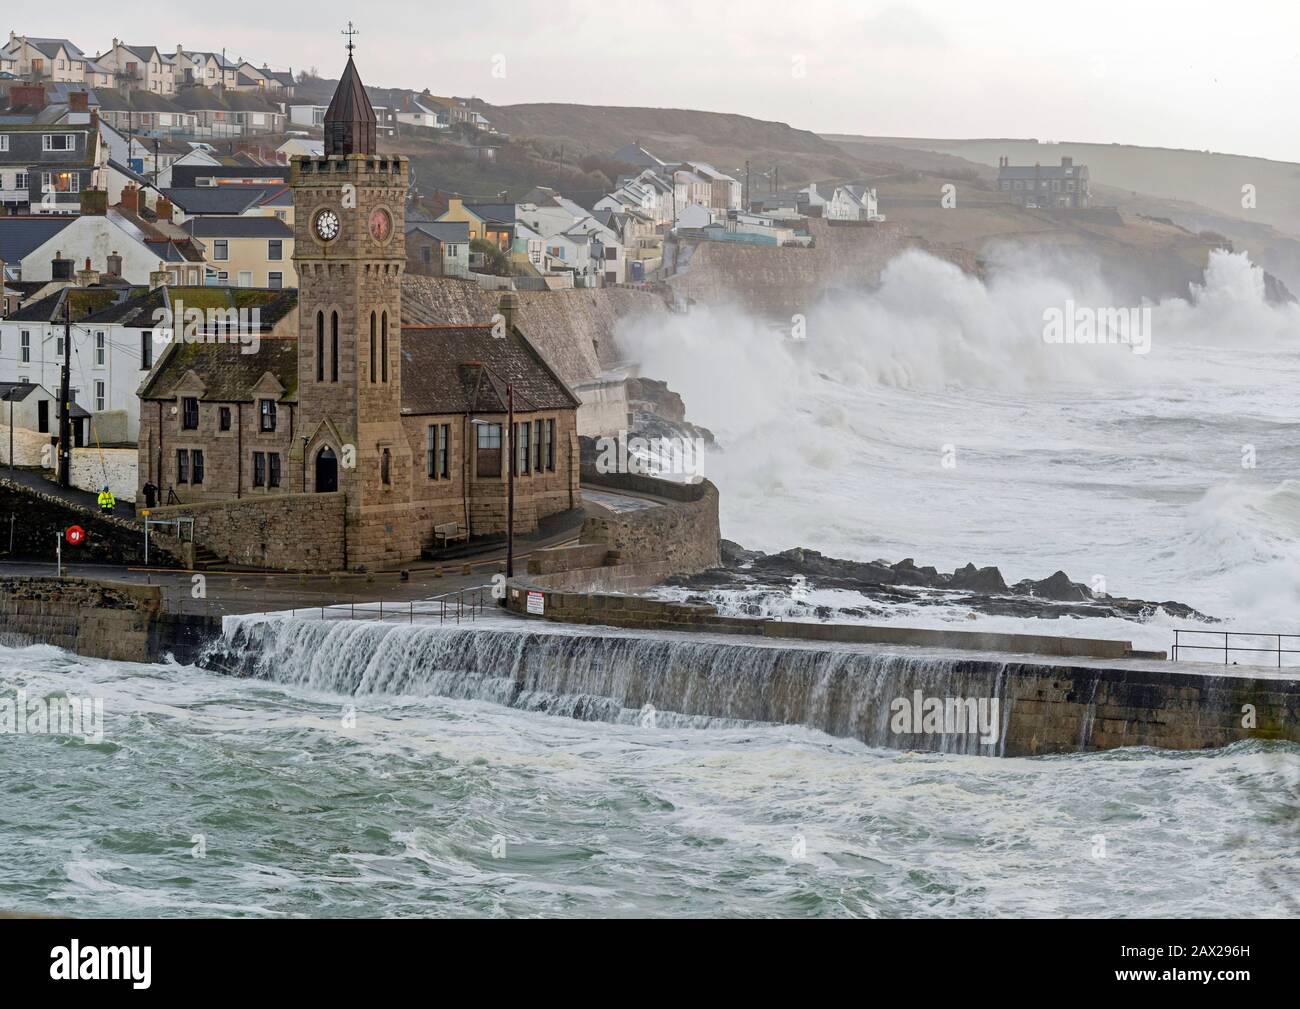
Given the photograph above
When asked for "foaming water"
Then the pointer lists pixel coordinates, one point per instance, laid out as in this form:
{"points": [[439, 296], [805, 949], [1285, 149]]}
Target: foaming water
{"points": [[310, 801], [929, 419], [680, 680]]}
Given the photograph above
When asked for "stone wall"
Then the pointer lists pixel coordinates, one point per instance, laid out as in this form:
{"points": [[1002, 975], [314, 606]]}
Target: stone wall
{"points": [[120, 621], [31, 448], [282, 532], [1047, 706], [91, 468], [37, 517], [682, 533]]}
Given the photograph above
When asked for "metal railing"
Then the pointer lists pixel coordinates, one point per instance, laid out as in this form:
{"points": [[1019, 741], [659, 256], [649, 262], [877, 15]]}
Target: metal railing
{"points": [[1226, 648], [463, 606]]}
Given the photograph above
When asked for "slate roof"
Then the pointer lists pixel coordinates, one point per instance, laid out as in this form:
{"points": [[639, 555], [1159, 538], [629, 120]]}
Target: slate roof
{"points": [[460, 369], [19, 391], [139, 309], [496, 213], [238, 227], [454, 232], [185, 176], [112, 100], [227, 373], [85, 301], [350, 118], [216, 199], [1043, 172], [50, 47], [20, 235]]}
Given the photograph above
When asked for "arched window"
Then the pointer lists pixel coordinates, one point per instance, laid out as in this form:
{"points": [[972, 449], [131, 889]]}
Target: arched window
{"points": [[383, 344], [334, 346], [320, 346], [373, 372]]}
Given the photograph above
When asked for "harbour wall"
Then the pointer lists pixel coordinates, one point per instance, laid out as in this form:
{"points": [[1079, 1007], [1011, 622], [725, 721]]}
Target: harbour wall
{"points": [[1044, 706], [121, 621], [1035, 707]]}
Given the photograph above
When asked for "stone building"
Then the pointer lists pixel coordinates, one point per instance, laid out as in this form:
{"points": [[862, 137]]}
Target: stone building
{"points": [[1063, 185], [407, 421]]}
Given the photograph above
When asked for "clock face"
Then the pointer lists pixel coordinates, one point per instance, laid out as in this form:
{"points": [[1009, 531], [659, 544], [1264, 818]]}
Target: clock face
{"points": [[326, 225], [381, 224]]}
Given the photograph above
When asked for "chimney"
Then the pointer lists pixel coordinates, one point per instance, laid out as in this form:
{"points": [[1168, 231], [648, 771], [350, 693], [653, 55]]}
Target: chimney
{"points": [[509, 307], [114, 265], [158, 277], [162, 209], [60, 268], [86, 277], [94, 202], [78, 101], [130, 198], [27, 96]]}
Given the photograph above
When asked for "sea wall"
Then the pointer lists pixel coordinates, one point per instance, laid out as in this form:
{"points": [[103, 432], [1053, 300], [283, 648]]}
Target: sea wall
{"points": [[120, 621], [681, 533], [273, 532], [1033, 708]]}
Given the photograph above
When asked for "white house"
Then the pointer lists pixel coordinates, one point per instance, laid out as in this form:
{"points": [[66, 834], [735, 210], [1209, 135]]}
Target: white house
{"points": [[852, 203], [300, 145], [97, 238], [694, 216], [108, 361], [196, 156], [725, 192]]}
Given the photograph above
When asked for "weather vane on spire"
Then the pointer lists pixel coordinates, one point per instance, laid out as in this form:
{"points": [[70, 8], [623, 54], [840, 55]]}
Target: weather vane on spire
{"points": [[349, 33]]}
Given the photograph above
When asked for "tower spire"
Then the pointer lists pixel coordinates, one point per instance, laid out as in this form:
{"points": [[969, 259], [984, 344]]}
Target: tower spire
{"points": [[350, 119]]}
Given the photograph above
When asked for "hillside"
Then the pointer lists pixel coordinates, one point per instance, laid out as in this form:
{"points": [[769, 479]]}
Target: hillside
{"points": [[1214, 181], [723, 140]]}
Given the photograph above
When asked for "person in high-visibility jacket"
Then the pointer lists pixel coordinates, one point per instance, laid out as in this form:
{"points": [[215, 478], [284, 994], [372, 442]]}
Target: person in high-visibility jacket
{"points": [[106, 501]]}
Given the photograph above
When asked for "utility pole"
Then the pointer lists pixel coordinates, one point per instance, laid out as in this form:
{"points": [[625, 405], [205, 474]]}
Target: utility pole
{"points": [[65, 394], [510, 482], [747, 191]]}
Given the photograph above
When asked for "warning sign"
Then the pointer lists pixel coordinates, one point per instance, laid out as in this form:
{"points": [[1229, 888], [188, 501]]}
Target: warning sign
{"points": [[536, 602]]}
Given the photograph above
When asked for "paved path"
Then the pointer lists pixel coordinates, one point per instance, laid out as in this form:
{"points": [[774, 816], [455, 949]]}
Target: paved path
{"points": [[73, 495]]}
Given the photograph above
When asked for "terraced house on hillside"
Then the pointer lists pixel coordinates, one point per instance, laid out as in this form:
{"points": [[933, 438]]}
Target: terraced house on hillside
{"points": [[45, 169]]}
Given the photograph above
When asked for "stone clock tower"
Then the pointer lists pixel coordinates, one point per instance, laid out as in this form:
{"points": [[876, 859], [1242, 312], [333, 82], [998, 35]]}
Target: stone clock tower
{"points": [[350, 251]]}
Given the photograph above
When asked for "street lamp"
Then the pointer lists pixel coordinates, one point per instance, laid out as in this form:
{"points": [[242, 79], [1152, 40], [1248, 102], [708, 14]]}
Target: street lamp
{"points": [[9, 395]]}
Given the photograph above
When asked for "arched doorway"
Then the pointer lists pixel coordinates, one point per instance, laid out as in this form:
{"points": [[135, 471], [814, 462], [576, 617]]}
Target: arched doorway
{"points": [[327, 471]]}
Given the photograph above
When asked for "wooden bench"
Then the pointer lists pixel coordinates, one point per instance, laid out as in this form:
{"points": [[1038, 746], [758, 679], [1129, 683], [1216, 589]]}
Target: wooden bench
{"points": [[449, 532]]}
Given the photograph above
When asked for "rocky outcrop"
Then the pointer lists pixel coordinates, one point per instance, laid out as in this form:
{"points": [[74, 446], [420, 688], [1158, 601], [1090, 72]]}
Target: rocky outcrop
{"points": [[982, 589]]}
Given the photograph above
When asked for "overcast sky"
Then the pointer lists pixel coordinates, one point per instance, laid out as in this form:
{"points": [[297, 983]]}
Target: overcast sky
{"points": [[1222, 76]]}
